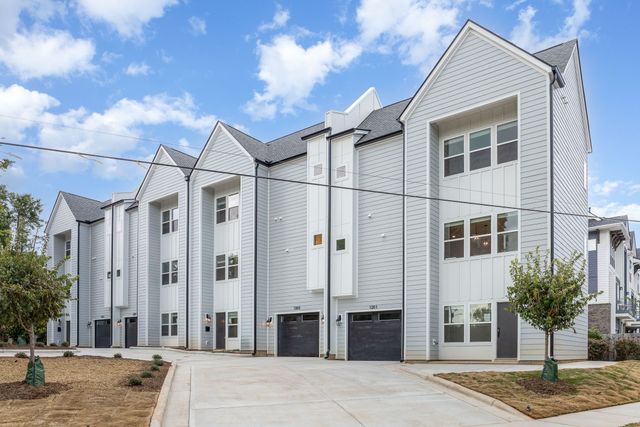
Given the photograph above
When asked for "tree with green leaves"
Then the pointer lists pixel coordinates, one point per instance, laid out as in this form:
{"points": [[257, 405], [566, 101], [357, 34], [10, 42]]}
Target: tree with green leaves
{"points": [[548, 294]]}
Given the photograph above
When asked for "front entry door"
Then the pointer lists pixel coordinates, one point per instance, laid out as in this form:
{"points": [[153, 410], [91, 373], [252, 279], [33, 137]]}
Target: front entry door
{"points": [[220, 331], [507, 332], [131, 332], [68, 338]]}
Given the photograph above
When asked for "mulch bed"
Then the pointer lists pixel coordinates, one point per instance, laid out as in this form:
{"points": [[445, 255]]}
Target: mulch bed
{"points": [[24, 391], [540, 386]]}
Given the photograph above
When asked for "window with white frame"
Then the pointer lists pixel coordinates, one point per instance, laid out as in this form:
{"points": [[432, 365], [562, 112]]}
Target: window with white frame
{"points": [[507, 142], [507, 224], [341, 244], [453, 323], [170, 272], [480, 149], [454, 156], [480, 236], [232, 267], [232, 324], [221, 267], [227, 267], [233, 202], [169, 324], [480, 322], [317, 169], [454, 240], [221, 210], [341, 172], [67, 249], [170, 220]]}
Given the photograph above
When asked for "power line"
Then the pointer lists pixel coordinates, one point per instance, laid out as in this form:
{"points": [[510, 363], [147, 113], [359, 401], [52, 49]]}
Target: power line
{"points": [[293, 181]]}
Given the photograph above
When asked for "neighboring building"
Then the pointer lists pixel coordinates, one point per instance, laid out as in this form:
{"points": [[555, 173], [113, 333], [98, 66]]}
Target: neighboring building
{"points": [[257, 261], [614, 272]]}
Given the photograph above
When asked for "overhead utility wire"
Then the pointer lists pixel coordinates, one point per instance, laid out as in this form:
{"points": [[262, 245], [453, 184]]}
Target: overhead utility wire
{"points": [[293, 181]]}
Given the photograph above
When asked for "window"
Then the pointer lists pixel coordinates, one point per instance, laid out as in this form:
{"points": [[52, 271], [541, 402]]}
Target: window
{"points": [[232, 324], [454, 240], [508, 232], [389, 315], [341, 244], [480, 149], [221, 210], [170, 272], [312, 317], [453, 323], [233, 267], [362, 317], [170, 220], [317, 239], [480, 322], [221, 267], [233, 202], [507, 142], [480, 236], [169, 324], [341, 172], [67, 249], [174, 219], [317, 169], [454, 156]]}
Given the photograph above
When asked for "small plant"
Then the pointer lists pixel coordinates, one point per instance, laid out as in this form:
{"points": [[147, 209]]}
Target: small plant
{"points": [[53, 344], [146, 374], [599, 349], [594, 334], [156, 357], [64, 344], [158, 362], [134, 381], [39, 344], [117, 356], [1, 344], [68, 353], [21, 355], [627, 349], [155, 368]]}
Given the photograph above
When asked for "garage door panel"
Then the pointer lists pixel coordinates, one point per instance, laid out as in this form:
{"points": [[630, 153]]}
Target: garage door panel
{"points": [[298, 335], [375, 336]]}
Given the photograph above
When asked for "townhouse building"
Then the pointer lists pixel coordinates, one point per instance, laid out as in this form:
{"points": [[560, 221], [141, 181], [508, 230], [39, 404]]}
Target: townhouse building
{"points": [[379, 233], [614, 272]]}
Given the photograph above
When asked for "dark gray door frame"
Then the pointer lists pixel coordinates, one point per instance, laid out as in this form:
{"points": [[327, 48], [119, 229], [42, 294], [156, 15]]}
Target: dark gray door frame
{"points": [[221, 326]]}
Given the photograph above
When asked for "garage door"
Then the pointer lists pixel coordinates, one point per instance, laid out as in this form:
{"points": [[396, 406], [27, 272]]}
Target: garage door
{"points": [[103, 337], [299, 335], [375, 335]]}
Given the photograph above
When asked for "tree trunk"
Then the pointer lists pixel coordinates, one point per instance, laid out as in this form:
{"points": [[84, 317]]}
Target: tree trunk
{"points": [[32, 344], [546, 345]]}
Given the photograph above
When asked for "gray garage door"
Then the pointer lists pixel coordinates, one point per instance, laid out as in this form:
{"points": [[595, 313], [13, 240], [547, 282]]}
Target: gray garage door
{"points": [[375, 335], [103, 337], [299, 335]]}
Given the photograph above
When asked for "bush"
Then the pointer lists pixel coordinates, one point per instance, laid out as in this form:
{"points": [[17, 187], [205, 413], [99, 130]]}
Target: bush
{"points": [[117, 356], [146, 374], [158, 362], [21, 355], [64, 344], [598, 349], [155, 368], [53, 344], [594, 334], [134, 381], [1, 344], [68, 353], [39, 344], [627, 349], [156, 357]]}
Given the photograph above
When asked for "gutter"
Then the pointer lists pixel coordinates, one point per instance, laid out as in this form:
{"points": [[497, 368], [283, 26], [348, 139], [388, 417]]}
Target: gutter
{"points": [[328, 292], [186, 276], [111, 281], [551, 189], [255, 261], [404, 211], [78, 286]]}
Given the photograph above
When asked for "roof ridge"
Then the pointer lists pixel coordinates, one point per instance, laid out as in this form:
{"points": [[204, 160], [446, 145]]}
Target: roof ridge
{"points": [[556, 45], [78, 195], [165, 146], [291, 133], [242, 132]]}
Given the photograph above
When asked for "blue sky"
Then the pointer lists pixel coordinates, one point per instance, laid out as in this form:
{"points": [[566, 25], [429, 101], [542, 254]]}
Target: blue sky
{"points": [[166, 70]]}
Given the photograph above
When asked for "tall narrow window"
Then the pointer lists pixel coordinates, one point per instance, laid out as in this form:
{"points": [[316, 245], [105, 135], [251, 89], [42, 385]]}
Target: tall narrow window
{"points": [[166, 222], [453, 323], [508, 232], [480, 322], [221, 267], [166, 273], [480, 149], [507, 142], [454, 156], [175, 213], [454, 240], [165, 324], [233, 202], [233, 267], [221, 210], [174, 271], [480, 236], [174, 324], [67, 249], [232, 324]]}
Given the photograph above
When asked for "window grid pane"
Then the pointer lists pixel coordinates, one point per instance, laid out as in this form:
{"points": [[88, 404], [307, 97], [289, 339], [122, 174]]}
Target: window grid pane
{"points": [[479, 140], [454, 240], [480, 236]]}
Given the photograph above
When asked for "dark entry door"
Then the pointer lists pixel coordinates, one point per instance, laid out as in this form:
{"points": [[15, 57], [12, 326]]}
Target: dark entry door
{"points": [[299, 335], [103, 333], [507, 332], [375, 335], [131, 332], [221, 323], [68, 336]]}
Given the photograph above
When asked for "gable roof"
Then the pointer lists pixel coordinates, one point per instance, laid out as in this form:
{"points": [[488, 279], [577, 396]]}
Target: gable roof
{"points": [[558, 55], [596, 222], [83, 208], [291, 145], [383, 121], [184, 160]]}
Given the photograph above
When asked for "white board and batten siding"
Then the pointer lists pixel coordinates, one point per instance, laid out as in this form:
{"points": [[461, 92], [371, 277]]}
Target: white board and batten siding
{"points": [[317, 172]]}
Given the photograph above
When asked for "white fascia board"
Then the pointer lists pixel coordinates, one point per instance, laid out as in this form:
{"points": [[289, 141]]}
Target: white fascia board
{"points": [[54, 211], [214, 133], [147, 176]]}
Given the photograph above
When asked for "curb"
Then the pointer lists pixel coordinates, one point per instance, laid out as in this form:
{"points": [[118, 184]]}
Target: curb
{"points": [[161, 404]]}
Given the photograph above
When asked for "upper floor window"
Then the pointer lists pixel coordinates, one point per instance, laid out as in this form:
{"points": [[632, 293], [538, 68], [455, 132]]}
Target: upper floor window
{"points": [[508, 232], [67, 249], [507, 142], [480, 149], [454, 240], [227, 208], [227, 267], [317, 239], [170, 220], [341, 245], [454, 156], [480, 236], [170, 272]]}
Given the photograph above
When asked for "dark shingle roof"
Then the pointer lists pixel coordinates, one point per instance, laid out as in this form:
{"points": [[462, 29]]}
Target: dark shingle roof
{"points": [[291, 145], [254, 147], [83, 208], [185, 161], [623, 219], [558, 55], [383, 121]]}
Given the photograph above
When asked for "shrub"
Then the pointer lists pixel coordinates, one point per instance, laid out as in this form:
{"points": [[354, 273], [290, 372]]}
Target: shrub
{"points": [[158, 362], [134, 381], [156, 357], [627, 349], [68, 353], [1, 344], [53, 344], [598, 349], [594, 334], [39, 344], [155, 368], [117, 356], [146, 374], [64, 344], [21, 355]]}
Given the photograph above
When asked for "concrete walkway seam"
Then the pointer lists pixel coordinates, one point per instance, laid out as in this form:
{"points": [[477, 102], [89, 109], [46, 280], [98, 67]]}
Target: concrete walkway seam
{"points": [[163, 398]]}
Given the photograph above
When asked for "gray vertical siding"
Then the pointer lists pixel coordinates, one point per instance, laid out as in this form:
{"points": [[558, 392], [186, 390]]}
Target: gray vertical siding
{"points": [[433, 291], [98, 310], [263, 259], [85, 286]]}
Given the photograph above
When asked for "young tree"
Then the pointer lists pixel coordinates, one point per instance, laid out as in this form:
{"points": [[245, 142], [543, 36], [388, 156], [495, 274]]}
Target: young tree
{"points": [[548, 295]]}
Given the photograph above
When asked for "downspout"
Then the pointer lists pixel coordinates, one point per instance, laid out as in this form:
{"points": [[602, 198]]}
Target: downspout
{"points": [[551, 192], [255, 261], [78, 286], [328, 314], [404, 191], [111, 282], [186, 275]]}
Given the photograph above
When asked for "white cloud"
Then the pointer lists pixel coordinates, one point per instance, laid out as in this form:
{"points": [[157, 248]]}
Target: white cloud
{"points": [[280, 19], [290, 71], [164, 56], [109, 57], [515, 4], [17, 106], [527, 36], [606, 188], [137, 69], [127, 17], [197, 26], [632, 210]]}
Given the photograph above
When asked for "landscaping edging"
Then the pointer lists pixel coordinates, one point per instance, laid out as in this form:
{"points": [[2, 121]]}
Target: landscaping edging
{"points": [[163, 397]]}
